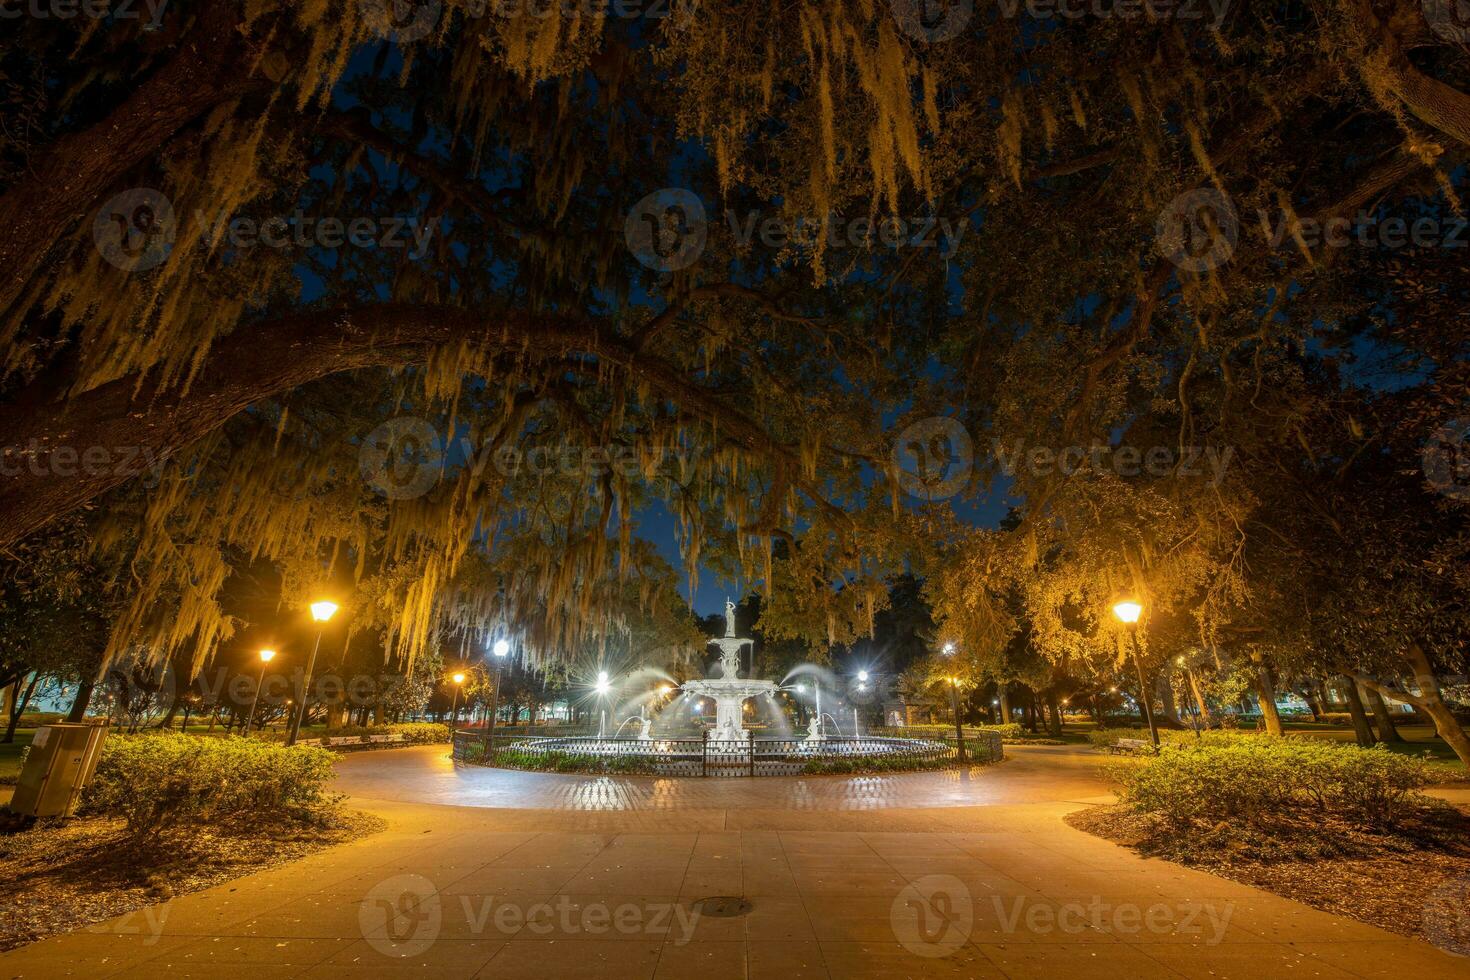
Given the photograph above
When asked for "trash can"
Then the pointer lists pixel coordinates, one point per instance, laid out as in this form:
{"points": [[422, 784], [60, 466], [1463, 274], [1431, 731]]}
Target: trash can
{"points": [[58, 767]]}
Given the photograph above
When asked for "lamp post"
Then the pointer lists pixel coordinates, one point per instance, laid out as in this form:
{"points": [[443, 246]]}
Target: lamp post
{"points": [[454, 705], [1128, 613], [321, 611], [603, 685], [501, 649], [266, 656], [954, 701]]}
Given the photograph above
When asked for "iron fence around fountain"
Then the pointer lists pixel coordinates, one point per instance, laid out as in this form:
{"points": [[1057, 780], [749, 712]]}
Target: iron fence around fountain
{"points": [[714, 757]]}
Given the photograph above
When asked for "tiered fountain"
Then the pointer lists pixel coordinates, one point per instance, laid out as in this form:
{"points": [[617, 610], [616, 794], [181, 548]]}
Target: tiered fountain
{"points": [[728, 748], [728, 691]]}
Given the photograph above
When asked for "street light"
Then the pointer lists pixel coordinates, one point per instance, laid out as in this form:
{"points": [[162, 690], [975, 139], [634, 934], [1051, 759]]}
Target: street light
{"points": [[954, 700], [501, 649], [1128, 613], [321, 611], [458, 679], [266, 656], [603, 685]]}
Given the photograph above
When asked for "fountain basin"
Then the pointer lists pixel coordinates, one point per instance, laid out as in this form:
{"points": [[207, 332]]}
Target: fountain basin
{"points": [[713, 756]]}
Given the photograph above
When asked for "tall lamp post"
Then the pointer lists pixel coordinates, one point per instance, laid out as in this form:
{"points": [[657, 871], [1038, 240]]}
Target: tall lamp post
{"points": [[321, 612], [954, 700], [501, 649], [603, 686], [1128, 613], [266, 656], [454, 705]]}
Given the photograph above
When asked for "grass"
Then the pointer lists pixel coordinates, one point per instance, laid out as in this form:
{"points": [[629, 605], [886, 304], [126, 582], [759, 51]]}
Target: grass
{"points": [[10, 757], [1420, 740]]}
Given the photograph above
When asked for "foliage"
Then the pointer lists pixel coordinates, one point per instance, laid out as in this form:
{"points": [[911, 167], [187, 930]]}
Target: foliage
{"points": [[1273, 782], [169, 784]]}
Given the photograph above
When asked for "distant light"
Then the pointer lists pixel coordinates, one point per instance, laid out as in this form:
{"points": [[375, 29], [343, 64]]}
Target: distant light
{"points": [[862, 675], [801, 688], [698, 708], [948, 648], [602, 683], [266, 656], [665, 690], [459, 678], [501, 648], [323, 610], [1128, 612]]}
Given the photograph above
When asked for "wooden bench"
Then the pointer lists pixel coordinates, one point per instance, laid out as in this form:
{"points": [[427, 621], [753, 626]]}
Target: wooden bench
{"points": [[1131, 746]]}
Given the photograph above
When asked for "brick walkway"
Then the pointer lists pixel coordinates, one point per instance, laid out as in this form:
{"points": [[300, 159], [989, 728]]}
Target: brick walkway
{"points": [[554, 876]]}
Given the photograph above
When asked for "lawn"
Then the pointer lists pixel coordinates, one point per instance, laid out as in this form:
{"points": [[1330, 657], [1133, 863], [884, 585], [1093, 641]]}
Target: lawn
{"points": [[10, 757], [1419, 740]]}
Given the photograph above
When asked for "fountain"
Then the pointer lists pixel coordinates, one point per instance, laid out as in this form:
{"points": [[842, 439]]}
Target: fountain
{"points": [[729, 748], [728, 691]]}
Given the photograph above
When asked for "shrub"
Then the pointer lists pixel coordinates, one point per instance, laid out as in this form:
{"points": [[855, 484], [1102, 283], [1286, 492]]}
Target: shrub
{"points": [[1273, 782], [163, 782]]}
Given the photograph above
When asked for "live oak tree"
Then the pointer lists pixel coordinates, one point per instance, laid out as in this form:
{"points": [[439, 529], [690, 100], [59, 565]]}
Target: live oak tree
{"points": [[758, 387]]}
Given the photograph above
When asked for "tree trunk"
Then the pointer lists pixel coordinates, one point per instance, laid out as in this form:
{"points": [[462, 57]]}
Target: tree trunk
{"points": [[79, 703], [1361, 727], [1005, 704], [1199, 700], [1313, 700], [1387, 730], [1055, 723], [18, 708], [1166, 697], [1266, 696], [1445, 723]]}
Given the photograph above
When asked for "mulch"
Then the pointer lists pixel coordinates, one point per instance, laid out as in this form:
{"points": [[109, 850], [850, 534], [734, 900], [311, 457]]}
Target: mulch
{"points": [[63, 875], [1413, 882]]}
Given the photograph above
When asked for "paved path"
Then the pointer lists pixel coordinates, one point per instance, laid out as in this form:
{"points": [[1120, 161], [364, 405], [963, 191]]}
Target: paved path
{"points": [[554, 876]]}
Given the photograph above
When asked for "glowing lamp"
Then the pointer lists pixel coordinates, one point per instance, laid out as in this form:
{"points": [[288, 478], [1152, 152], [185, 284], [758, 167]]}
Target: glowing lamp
{"points": [[1128, 612], [323, 611], [266, 656], [458, 678], [501, 648]]}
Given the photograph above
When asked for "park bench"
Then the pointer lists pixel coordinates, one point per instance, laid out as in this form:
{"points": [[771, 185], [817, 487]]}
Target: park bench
{"points": [[1130, 746]]}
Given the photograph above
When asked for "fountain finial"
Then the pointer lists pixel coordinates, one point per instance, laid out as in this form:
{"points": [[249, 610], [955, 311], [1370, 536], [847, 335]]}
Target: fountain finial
{"points": [[729, 617]]}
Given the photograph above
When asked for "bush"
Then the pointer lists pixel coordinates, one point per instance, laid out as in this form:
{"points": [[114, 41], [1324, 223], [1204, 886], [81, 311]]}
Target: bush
{"points": [[166, 782], [1275, 782], [414, 732]]}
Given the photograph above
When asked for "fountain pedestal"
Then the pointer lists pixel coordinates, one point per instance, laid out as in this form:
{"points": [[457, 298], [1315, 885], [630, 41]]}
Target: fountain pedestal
{"points": [[729, 696]]}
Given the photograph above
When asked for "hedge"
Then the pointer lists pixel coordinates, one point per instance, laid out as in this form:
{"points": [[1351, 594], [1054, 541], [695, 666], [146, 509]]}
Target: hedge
{"points": [[1272, 782], [167, 782]]}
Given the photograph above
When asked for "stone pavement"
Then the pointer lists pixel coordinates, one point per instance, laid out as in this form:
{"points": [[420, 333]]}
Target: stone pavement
{"points": [[928, 875]]}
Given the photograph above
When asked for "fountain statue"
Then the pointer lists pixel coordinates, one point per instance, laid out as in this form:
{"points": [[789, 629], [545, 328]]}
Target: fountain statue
{"points": [[728, 691]]}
